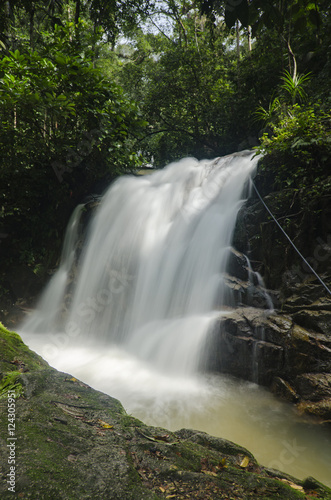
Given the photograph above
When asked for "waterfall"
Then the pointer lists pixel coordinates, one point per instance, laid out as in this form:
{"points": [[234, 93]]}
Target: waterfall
{"points": [[50, 305], [130, 312], [151, 278]]}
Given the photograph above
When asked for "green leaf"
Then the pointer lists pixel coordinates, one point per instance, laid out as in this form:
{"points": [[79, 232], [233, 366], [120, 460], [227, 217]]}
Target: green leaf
{"points": [[60, 59]]}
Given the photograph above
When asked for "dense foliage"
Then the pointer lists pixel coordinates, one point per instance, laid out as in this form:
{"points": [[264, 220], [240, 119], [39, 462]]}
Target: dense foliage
{"points": [[64, 127], [90, 89], [200, 83]]}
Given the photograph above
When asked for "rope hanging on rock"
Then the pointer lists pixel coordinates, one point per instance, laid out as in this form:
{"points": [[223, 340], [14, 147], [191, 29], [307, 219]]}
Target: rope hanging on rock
{"points": [[289, 239]]}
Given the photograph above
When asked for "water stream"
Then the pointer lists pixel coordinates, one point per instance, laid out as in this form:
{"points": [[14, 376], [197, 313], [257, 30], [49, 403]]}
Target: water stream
{"points": [[150, 286]]}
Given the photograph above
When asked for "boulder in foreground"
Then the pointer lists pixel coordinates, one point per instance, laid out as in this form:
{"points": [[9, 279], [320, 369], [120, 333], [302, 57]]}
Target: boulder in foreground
{"points": [[73, 442]]}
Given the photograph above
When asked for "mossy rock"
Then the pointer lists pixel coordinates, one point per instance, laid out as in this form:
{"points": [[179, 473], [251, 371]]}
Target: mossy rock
{"points": [[77, 443], [14, 353]]}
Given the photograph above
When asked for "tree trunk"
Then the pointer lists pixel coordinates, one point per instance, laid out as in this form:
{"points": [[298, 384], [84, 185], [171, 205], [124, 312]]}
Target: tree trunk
{"points": [[9, 24], [238, 40], [77, 11], [31, 29]]}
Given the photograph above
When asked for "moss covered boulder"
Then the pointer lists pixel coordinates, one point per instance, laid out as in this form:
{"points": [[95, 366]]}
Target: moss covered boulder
{"points": [[60, 439]]}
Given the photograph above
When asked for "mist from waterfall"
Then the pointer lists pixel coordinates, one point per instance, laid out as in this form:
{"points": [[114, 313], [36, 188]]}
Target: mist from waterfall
{"points": [[130, 312]]}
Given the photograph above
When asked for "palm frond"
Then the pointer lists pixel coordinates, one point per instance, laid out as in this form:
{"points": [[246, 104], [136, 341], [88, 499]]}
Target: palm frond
{"points": [[294, 85]]}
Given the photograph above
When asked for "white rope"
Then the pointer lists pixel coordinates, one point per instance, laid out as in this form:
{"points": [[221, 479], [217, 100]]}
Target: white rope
{"points": [[289, 239]]}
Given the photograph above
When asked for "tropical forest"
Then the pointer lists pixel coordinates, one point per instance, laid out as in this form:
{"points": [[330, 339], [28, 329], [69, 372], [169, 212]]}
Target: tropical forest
{"points": [[165, 249], [93, 89]]}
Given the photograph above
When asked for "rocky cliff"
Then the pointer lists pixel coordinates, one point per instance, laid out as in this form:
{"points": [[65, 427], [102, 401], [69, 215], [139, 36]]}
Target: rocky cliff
{"points": [[287, 349]]}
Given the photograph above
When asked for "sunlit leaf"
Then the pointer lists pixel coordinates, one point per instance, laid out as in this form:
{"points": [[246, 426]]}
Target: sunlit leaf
{"points": [[293, 485], [245, 462], [222, 464], [105, 425]]}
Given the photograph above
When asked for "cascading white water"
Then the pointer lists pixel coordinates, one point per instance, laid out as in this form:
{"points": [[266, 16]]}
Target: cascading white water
{"points": [[150, 285], [152, 273], [51, 302]]}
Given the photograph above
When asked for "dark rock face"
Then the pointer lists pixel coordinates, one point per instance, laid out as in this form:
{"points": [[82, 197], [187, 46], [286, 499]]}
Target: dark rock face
{"points": [[271, 350], [285, 346]]}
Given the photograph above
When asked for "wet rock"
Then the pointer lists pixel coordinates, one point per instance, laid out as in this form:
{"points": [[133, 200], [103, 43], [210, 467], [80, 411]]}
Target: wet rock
{"points": [[301, 325], [307, 224], [268, 359], [316, 320], [314, 386], [246, 293], [321, 409], [283, 389], [311, 343], [238, 265], [272, 350], [246, 237], [241, 344]]}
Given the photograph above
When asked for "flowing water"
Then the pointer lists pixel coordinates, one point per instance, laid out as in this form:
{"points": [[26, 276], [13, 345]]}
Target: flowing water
{"points": [[150, 287]]}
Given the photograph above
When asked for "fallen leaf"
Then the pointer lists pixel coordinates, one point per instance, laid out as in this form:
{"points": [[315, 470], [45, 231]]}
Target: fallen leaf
{"points": [[222, 464], [165, 438], [209, 472], [156, 439], [244, 462], [104, 425], [293, 485]]}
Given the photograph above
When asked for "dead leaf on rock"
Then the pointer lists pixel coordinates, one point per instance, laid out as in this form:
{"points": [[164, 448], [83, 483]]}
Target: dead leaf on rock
{"points": [[222, 464], [164, 438], [105, 425], [76, 381], [157, 439], [293, 485], [245, 462], [209, 472]]}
